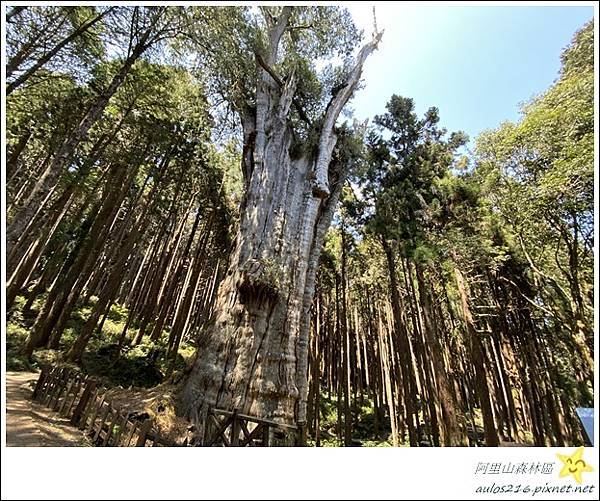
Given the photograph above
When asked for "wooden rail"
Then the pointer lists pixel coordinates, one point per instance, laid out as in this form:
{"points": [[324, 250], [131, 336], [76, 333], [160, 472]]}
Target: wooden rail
{"points": [[232, 429], [84, 402], [80, 399]]}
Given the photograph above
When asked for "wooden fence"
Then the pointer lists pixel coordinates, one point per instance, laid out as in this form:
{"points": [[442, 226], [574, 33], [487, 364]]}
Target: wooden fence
{"points": [[84, 402], [232, 429]]}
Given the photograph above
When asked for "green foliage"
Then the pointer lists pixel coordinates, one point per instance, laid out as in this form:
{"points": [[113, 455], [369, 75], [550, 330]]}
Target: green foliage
{"points": [[143, 365], [228, 39], [363, 430], [409, 192], [538, 176], [516, 219]]}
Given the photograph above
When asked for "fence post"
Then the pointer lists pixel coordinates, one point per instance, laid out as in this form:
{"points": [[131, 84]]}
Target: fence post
{"points": [[83, 401], [266, 435], [144, 429], [71, 385], [50, 389], [206, 430], [78, 387], [128, 437], [121, 426], [301, 436], [40, 382], [114, 416], [235, 429], [105, 411], [63, 380]]}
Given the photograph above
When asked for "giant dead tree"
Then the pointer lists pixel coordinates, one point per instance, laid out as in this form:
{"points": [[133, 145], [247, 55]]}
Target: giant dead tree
{"points": [[254, 357]]}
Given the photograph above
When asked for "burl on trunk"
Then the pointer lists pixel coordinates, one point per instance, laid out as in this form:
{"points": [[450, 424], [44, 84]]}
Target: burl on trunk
{"points": [[254, 355]]}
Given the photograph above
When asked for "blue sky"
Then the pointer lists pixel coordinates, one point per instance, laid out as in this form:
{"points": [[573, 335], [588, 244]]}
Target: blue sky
{"points": [[475, 63]]}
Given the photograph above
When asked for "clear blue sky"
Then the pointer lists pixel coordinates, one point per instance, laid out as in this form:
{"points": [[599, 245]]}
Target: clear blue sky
{"points": [[475, 63]]}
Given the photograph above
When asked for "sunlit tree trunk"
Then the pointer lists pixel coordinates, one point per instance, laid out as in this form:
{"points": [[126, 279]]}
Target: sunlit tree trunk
{"points": [[477, 354], [39, 194], [451, 433]]}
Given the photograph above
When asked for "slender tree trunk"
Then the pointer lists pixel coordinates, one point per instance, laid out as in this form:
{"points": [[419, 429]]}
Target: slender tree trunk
{"points": [[48, 179], [31, 258], [26, 75], [13, 158], [85, 251], [110, 288], [406, 365], [477, 357], [183, 311], [346, 343], [451, 433]]}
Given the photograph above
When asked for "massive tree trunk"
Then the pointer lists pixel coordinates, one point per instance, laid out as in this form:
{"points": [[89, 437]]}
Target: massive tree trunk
{"points": [[254, 357]]}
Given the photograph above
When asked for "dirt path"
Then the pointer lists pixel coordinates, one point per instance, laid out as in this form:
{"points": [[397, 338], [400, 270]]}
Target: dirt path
{"points": [[29, 424]]}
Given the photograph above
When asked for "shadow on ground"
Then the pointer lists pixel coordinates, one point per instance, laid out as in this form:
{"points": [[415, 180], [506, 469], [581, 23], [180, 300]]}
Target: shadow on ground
{"points": [[29, 424]]}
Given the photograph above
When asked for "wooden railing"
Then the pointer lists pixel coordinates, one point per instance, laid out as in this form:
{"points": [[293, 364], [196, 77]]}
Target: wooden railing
{"points": [[84, 402], [232, 429]]}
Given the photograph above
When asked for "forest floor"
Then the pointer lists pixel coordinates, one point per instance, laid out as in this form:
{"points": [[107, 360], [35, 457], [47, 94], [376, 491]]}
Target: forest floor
{"points": [[29, 424]]}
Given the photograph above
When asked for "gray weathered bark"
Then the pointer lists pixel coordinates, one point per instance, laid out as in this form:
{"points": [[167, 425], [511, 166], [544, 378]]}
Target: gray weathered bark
{"points": [[254, 356]]}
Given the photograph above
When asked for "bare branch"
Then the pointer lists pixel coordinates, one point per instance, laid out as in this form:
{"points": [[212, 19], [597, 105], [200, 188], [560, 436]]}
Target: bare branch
{"points": [[281, 83], [334, 108], [300, 27]]}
